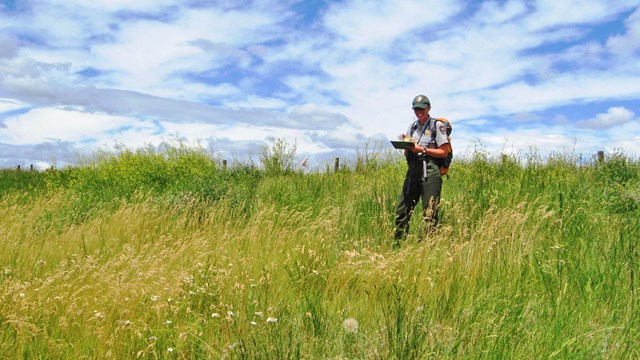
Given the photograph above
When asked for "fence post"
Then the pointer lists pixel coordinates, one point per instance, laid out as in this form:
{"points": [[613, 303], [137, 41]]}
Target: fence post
{"points": [[31, 168], [337, 165], [18, 167], [601, 156], [224, 164]]}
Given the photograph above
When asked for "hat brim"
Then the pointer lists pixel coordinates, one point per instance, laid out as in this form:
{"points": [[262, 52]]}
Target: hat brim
{"points": [[421, 106]]}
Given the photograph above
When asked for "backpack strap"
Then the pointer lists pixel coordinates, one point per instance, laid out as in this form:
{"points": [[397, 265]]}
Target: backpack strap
{"points": [[432, 128], [414, 126]]}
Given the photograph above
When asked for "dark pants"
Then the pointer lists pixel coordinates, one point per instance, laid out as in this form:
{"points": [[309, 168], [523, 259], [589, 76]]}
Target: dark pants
{"points": [[416, 186]]}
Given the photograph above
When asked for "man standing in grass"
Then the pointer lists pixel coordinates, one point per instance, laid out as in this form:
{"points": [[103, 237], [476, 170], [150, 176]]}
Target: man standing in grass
{"points": [[423, 177]]}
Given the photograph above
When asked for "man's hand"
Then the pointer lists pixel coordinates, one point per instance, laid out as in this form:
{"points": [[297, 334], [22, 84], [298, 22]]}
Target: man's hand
{"points": [[417, 148]]}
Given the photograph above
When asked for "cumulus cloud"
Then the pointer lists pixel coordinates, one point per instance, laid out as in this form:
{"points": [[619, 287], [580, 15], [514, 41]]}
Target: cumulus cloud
{"points": [[615, 116]]}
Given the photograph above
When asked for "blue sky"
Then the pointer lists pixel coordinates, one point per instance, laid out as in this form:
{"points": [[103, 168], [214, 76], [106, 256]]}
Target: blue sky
{"points": [[329, 76]]}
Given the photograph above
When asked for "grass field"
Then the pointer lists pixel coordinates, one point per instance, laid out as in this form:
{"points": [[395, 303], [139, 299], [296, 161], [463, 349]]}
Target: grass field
{"points": [[165, 254]]}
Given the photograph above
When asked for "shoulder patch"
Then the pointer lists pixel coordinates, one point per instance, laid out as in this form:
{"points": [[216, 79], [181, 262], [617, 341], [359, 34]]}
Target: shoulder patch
{"points": [[442, 130]]}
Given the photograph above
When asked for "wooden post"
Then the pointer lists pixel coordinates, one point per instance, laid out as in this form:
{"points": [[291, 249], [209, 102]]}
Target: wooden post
{"points": [[337, 165], [601, 156], [224, 164], [18, 167], [31, 168]]}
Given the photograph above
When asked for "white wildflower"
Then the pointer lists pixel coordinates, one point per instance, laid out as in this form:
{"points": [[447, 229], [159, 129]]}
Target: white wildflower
{"points": [[350, 325], [230, 313], [253, 323], [170, 350], [271, 320], [259, 313], [215, 315]]}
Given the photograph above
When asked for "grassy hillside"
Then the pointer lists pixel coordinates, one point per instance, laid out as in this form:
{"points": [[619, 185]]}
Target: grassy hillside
{"points": [[145, 254]]}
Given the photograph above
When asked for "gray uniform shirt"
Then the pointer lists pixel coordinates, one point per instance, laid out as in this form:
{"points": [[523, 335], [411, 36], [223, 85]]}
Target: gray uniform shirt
{"points": [[422, 134]]}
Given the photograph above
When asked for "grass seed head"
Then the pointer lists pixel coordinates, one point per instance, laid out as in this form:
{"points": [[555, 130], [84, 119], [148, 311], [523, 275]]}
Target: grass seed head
{"points": [[350, 325]]}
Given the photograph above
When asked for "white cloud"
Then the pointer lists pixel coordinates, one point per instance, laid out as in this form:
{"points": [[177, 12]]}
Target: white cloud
{"points": [[146, 53], [527, 117], [551, 13], [41, 155], [538, 139], [7, 105], [143, 54], [373, 25], [117, 5], [258, 102], [566, 89], [57, 124], [628, 43], [615, 116], [493, 12], [8, 47]]}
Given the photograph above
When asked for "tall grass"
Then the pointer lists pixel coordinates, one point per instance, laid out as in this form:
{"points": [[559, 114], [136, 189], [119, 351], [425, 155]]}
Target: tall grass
{"points": [[165, 254]]}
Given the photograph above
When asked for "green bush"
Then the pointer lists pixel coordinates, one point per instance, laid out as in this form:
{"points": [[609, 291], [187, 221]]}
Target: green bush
{"points": [[278, 158]]}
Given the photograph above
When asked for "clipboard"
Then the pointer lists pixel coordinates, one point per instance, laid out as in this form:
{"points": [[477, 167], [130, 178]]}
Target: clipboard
{"points": [[402, 144]]}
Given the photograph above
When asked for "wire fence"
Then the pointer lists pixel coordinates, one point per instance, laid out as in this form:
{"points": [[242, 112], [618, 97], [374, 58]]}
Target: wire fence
{"points": [[600, 155]]}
